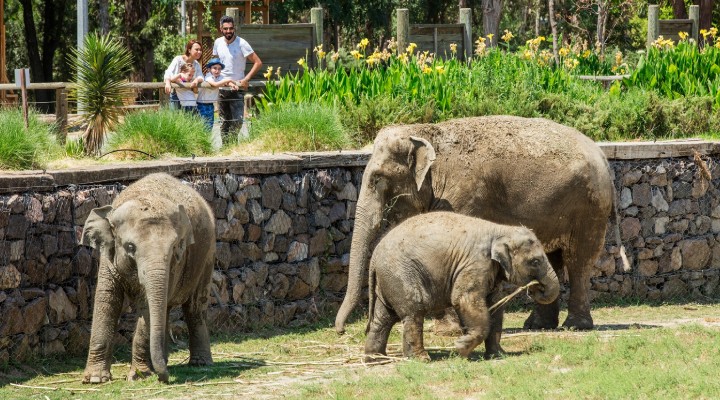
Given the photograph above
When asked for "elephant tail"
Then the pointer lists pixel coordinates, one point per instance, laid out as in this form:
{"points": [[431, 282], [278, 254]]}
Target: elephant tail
{"points": [[618, 238], [371, 295]]}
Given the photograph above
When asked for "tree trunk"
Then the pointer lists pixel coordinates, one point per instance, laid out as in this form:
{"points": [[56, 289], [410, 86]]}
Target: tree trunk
{"points": [[602, 16], [706, 9], [492, 12], [679, 9], [553, 28], [137, 13], [104, 15], [537, 18]]}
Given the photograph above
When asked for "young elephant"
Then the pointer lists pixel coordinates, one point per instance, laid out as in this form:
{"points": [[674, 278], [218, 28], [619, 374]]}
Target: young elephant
{"points": [[157, 246], [435, 260]]}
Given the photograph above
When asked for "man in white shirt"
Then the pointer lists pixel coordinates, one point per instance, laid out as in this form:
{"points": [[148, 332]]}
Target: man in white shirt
{"points": [[234, 52]]}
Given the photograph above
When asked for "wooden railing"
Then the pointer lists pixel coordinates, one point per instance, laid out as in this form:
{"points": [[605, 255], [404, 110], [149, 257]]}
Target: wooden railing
{"points": [[63, 111]]}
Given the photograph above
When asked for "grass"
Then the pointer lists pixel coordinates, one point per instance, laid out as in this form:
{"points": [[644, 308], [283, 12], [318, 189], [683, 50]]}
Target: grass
{"points": [[160, 133], [22, 148], [299, 127], [637, 351]]}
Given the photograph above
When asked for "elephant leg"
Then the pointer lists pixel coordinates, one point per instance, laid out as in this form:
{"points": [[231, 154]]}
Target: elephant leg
{"points": [[195, 314], [546, 316], [582, 256], [379, 330], [106, 311], [413, 337], [141, 366], [447, 323], [492, 342], [475, 318]]}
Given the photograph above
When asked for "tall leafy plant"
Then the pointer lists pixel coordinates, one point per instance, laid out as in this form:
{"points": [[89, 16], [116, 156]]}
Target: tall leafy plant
{"points": [[102, 67]]}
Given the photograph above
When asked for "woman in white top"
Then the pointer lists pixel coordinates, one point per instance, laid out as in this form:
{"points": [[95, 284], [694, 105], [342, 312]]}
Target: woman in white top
{"points": [[193, 52]]}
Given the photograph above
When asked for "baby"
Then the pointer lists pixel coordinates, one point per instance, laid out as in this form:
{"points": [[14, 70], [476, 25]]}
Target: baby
{"points": [[208, 96], [186, 93]]}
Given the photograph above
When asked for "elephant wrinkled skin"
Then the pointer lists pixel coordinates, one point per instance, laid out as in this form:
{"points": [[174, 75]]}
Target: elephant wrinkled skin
{"points": [[156, 245], [510, 170], [439, 259]]}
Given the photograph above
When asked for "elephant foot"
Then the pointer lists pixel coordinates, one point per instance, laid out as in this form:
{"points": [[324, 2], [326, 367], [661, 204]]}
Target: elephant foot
{"points": [[466, 344], [541, 321], [95, 376], [579, 322], [494, 354], [137, 374], [200, 361], [448, 324]]}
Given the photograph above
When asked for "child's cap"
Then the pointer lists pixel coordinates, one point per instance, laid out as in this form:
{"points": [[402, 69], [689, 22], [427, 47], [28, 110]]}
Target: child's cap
{"points": [[214, 61]]}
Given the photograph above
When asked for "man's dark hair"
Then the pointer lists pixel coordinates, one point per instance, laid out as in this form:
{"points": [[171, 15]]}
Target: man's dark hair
{"points": [[227, 19]]}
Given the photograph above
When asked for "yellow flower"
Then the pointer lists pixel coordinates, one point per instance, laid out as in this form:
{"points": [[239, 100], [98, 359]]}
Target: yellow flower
{"points": [[335, 55], [453, 48], [490, 36], [356, 54], [321, 54], [618, 58], [426, 70], [704, 33], [277, 72], [586, 54], [683, 35], [717, 44], [507, 36], [301, 62], [564, 51], [268, 73], [528, 54], [403, 58], [713, 31], [411, 48], [363, 44], [440, 69], [571, 63]]}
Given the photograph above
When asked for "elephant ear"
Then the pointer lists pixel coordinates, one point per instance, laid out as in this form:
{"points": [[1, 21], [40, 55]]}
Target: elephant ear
{"points": [[423, 156], [500, 252], [97, 232]]}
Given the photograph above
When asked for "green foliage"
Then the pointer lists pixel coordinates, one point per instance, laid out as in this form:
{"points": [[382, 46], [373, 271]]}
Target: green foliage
{"points": [[102, 65], [22, 148], [679, 71], [299, 127], [158, 133]]}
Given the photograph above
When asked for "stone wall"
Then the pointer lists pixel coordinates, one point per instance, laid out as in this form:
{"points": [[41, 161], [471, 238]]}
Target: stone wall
{"points": [[284, 226]]}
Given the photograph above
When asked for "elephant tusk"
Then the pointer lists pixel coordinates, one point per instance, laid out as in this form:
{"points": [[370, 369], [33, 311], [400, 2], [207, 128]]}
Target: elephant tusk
{"points": [[507, 298]]}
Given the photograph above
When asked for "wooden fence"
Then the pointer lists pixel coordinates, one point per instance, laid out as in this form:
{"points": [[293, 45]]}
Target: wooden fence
{"points": [[670, 28]]}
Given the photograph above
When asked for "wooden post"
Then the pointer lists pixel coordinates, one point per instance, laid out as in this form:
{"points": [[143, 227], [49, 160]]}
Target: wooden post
{"points": [[403, 29], [23, 90], [653, 23], [164, 98], [316, 18], [61, 114], [695, 17], [466, 19], [248, 12]]}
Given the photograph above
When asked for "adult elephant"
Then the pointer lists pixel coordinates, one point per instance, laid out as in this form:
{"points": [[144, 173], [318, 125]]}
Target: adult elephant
{"points": [[509, 170]]}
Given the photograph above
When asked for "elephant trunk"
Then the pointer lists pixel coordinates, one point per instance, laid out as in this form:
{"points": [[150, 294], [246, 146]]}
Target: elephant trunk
{"points": [[157, 293], [550, 287], [368, 216]]}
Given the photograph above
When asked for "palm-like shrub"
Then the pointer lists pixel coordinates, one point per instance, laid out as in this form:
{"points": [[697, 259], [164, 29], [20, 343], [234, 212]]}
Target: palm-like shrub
{"points": [[102, 66]]}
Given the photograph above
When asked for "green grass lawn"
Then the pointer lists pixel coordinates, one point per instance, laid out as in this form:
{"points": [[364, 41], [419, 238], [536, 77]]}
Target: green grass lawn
{"points": [[637, 351]]}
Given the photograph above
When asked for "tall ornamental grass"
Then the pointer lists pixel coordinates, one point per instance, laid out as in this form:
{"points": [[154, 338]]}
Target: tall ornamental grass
{"points": [[300, 127], [159, 133], [22, 148]]}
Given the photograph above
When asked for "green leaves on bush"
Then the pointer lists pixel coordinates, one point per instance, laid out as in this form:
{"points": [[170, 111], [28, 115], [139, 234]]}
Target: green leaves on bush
{"points": [[22, 148], [157, 133]]}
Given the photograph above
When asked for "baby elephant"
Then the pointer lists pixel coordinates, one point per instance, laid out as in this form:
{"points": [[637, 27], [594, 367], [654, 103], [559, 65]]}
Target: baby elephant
{"points": [[157, 246], [436, 260]]}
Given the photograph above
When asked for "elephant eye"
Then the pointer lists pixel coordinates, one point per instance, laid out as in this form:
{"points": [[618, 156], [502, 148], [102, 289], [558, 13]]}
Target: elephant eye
{"points": [[536, 262], [130, 248]]}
